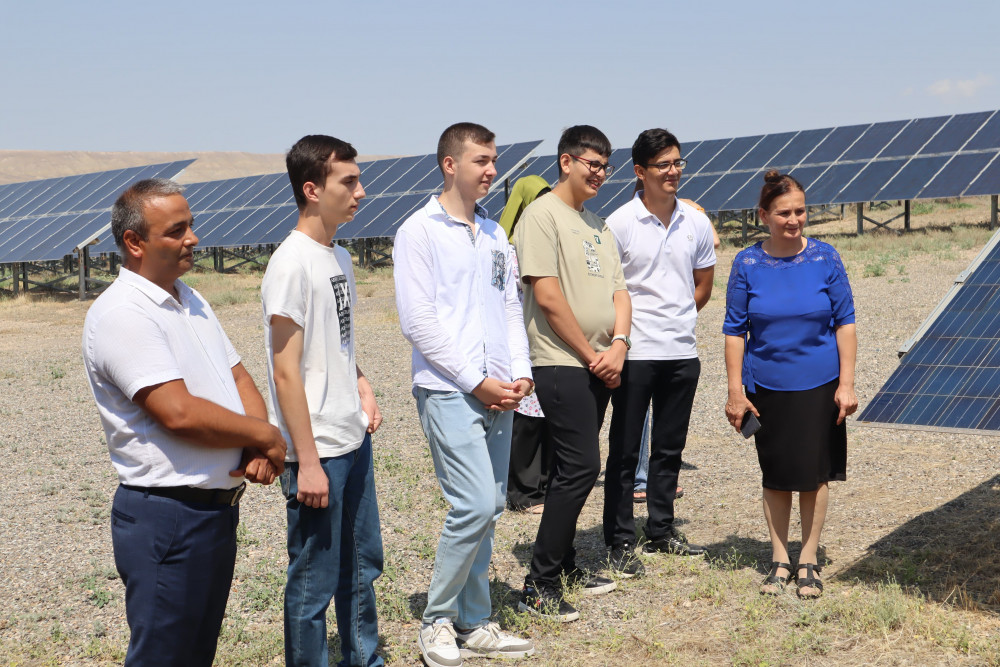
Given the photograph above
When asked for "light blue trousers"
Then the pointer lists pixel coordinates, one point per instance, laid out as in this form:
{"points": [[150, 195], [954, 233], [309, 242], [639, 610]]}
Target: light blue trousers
{"points": [[470, 446]]}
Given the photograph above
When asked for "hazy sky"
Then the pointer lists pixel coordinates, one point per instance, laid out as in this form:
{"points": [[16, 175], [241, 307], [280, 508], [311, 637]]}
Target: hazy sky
{"points": [[389, 76]]}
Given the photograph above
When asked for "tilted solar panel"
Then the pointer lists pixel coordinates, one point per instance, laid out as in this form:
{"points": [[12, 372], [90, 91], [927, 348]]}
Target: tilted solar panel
{"points": [[48, 219], [950, 377]]}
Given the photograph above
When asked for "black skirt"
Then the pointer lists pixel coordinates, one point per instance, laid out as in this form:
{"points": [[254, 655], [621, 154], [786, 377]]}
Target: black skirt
{"points": [[799, 445]]}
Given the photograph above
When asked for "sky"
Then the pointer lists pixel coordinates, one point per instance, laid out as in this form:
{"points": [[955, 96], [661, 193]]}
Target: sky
{"points": [[254, 76]]}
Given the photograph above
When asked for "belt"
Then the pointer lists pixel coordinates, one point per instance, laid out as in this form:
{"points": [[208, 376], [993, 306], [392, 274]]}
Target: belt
{"points": [[190, 494]]}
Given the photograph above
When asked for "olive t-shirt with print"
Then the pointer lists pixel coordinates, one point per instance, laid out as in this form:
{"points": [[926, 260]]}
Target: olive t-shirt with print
{"points": [[553, 239]]}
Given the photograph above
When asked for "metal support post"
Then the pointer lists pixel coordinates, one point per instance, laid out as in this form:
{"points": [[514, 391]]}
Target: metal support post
{"points": [[15, 278], [84, 257], [906, 215], [861, 218], [993, 212]]}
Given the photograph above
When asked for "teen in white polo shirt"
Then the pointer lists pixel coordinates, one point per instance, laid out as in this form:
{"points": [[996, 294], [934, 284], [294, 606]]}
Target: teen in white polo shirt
{"points": [[668, 257]]}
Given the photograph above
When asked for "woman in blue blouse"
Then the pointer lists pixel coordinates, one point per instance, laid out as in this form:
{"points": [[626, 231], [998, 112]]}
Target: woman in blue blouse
{"points": [[791, 344]]}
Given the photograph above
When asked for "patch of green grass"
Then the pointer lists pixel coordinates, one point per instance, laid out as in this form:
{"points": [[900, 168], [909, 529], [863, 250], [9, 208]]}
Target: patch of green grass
{"points": [[921, 208]]}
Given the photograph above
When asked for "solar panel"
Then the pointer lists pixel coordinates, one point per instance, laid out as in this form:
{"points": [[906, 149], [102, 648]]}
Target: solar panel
{"points": [[950, 377], [988, 181], [955, 133], [987, 137], [913, 137], [873, 141], [48, 219], [912, 178]]}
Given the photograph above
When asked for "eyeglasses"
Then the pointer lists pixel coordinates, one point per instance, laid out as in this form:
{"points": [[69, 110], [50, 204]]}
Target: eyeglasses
{"points": [[665, 166], [595, 166]]}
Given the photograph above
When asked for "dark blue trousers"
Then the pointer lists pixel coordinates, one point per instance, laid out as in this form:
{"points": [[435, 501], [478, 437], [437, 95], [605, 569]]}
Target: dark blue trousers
{"points": [[176, 560]]}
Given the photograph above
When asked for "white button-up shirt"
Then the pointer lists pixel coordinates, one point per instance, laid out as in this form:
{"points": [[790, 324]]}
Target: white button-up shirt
{"points": [[137, 335], [457, 300], [659, 262]]}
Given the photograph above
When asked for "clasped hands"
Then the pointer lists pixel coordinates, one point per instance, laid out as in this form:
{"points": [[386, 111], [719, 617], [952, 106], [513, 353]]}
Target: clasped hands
{"points": [[502, 396]]}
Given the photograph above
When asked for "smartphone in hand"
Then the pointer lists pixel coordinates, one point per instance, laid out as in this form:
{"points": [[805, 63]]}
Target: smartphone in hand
{"points": [[750, 424]]}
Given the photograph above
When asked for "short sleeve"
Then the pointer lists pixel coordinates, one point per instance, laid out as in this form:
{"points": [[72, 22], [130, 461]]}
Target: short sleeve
{"points": [[737, 321], [536, 241], [283, 291], [841, 297], [132, 352], [705, 250]]}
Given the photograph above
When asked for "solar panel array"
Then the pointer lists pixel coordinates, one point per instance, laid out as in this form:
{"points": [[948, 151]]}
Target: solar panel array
{"points": [[260, 210], [47, 219], [949, 379], [946, 156]]}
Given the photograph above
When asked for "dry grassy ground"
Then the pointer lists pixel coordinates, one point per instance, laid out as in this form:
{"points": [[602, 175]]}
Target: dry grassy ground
{"points": [[910, 544]]}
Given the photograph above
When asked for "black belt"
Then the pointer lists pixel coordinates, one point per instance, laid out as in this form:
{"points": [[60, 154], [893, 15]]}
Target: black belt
{"points": [[190, 494]]}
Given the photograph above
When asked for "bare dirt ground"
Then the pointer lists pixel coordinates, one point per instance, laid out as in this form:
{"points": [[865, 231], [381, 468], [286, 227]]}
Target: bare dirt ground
{"points": [[910, 543]]}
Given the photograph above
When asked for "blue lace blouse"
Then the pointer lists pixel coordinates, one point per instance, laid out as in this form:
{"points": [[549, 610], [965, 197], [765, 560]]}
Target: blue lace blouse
{"points": [[787, 308]]}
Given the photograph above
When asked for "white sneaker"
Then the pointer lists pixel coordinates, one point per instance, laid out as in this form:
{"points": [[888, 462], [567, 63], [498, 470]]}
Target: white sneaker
{"points": [[492, 642], [437, 644]]}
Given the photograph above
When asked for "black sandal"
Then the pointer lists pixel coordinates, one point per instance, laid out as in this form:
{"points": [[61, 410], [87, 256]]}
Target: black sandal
{"points": [[809, 581], [774, 580]]}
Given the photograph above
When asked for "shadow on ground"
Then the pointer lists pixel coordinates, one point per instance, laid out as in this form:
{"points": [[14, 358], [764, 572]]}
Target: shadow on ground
{"points": [[951, 553]]}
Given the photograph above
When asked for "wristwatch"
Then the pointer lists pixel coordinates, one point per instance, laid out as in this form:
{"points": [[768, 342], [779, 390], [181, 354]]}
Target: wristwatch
{"points": [[625, 339]]}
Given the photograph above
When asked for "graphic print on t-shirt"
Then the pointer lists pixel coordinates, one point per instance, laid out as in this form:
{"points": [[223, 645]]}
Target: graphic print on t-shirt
{"points": [[499, 270], [593, 261], [343, 294]]}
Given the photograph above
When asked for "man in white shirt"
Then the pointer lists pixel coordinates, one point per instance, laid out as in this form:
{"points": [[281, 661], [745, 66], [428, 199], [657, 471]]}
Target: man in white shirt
{"points": [[668, 257], [326, 409], [458, 306], [178, 409]]}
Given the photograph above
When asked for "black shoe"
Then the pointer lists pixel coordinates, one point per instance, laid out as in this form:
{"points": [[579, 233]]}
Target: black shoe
{"points": [[625, 562], [672, 542], [547, 602], [590, 583]]}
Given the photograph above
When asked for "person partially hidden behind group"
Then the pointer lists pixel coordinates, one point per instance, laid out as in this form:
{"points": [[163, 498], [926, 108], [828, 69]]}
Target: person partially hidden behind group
{"points": [[791, 344]]}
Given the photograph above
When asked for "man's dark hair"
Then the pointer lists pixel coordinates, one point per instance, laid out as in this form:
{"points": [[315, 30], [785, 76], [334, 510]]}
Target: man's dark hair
{"points": [[454, 137], [127, 213], [577, 139], [308, 161], [650, 143]]}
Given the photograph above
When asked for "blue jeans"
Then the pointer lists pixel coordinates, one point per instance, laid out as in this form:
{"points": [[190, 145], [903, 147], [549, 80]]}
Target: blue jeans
{"points": [[334, 553], [642, 470], [176, 560], [470, 446]]}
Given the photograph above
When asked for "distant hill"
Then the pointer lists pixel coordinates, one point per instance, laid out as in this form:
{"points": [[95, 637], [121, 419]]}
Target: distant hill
{"points": [[17, 166]]}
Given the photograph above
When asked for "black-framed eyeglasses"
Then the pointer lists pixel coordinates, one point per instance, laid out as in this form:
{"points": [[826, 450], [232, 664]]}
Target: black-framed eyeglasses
{"points": [[667, 164], [594, 166]]}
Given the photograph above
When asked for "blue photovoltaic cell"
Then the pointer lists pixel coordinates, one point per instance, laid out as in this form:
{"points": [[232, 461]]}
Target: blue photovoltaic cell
{"points": [[834, 144], [807, 177], [722, 190], [913, 137], [390, 219], [955, 133], [912, 178], [703, 154], [987, 137], [385, 180], [868, 182], [797, 149], [367, 212], [694, 187], [762, 154], [873, 141], [747, 196], [734, 151], [988, 182], [427, 164], [956, 175], [279, 222], [611, 197], [831, 182], [950, 378]]}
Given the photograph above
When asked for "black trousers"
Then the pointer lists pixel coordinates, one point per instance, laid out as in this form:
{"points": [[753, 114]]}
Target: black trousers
{"points": [[530, 461], [574, 402], [671, 385]]}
